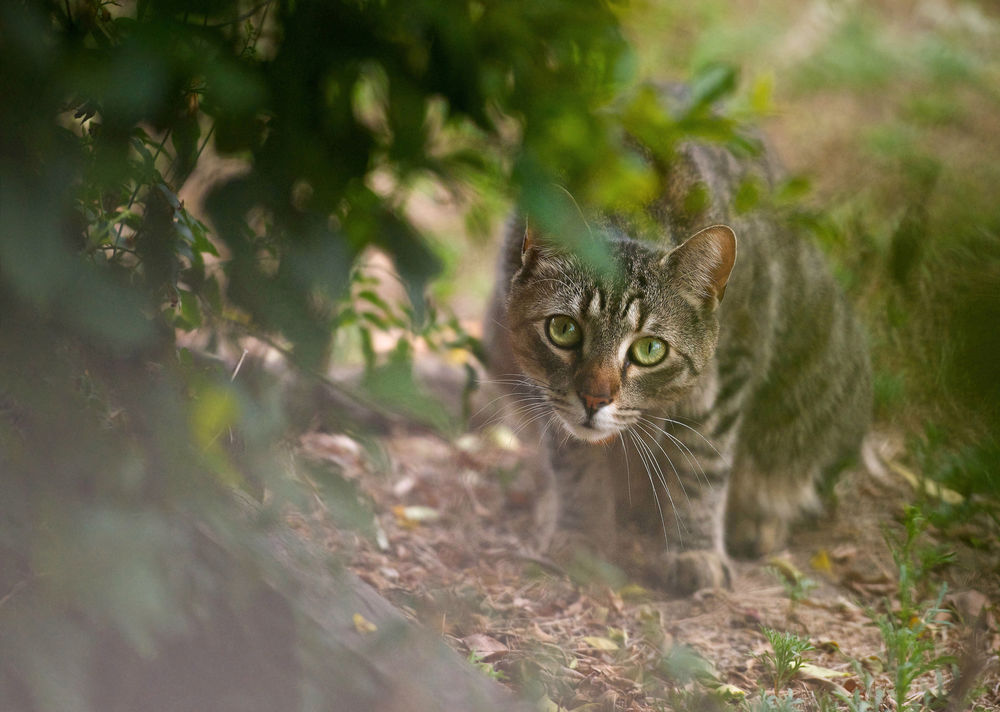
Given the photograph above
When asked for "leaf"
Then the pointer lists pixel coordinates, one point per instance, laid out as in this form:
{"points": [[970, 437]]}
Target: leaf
{"points": [[503, 438], [190, 314], [370, 296], [786, 569], [363, 625], [485, 648], [683, 664], [413, 515], [729, 693], [821, 562], [927, 486], [599, 643], [712, 83], [808, 671], [762, 92]]}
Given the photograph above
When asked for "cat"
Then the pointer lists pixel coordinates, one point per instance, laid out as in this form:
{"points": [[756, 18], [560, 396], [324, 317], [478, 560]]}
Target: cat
{"points": [[727, 368]]}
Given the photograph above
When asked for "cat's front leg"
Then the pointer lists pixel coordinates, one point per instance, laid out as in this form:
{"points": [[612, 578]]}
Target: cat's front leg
{"points": [[692, 492], [579, 508]]}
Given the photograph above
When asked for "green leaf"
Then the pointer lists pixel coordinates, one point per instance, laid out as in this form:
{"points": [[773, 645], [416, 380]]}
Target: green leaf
{"points": [[712, 83], [190, 311]]}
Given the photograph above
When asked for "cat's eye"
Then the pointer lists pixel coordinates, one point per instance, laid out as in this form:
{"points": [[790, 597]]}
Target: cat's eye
{"points": [[564, 332], [648, 351]]}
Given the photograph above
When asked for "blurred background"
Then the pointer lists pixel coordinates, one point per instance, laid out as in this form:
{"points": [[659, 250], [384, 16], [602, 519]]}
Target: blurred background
{"points": [[330, 179]]}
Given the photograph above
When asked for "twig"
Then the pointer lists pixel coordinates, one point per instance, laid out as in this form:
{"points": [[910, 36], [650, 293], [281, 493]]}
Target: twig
{"points": [[239, 365]]}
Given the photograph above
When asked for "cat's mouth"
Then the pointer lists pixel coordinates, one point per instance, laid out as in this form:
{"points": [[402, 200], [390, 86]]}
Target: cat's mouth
{"points": [[598, 429]]}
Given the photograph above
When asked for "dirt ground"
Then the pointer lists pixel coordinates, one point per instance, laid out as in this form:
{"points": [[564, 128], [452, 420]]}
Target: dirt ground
{"points": [[451, 545]]}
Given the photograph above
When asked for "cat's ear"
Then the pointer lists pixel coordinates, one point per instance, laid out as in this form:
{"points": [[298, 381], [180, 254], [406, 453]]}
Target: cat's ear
{"points": [[531, 238], [704, 262]]}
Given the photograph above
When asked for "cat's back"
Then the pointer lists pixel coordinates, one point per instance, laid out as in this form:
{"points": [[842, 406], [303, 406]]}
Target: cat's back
{"points": [[790, 345]]}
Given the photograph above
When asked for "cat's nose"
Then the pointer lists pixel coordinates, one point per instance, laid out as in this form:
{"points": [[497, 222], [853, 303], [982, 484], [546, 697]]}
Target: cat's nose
{"points": [[593, 402]]}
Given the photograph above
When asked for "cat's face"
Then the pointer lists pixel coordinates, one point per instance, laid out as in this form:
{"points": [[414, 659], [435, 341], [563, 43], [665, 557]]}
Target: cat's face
{"points": [[605, 348]]}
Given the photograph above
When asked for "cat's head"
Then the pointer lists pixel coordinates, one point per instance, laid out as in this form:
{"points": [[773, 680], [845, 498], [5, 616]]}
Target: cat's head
{"points": [[605, 346]]}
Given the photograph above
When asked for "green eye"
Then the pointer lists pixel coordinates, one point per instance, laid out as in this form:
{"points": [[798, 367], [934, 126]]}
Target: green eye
{"points": [[648, 351], [564, 331]]}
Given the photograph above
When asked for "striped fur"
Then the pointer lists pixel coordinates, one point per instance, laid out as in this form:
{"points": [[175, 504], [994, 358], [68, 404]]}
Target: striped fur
{"points": [[762, 394]]}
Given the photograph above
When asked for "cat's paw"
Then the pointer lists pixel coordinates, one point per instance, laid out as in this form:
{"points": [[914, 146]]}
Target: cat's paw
{"points": [[750, 537], [690, 571]]}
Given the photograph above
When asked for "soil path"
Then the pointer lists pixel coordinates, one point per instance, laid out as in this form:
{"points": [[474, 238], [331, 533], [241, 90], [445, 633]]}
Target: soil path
{"points": [[451, 546]]}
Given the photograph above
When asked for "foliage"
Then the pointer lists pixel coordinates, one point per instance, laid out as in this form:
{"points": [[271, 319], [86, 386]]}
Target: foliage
{"points": [[118, 449], [772, 702], [785, 657], [796, 584], [908, 633], [865, 697], [915, 561], [911, 651]]}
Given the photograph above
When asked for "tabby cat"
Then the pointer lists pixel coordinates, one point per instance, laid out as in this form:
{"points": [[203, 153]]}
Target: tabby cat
{"points": [[734, 385]]}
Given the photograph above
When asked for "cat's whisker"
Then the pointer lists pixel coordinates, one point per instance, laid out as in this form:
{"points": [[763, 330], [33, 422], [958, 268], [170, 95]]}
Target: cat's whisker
{"points": [[696, 432], [670, 462], [519, 408], [519, 396], [691, 458], [628, 475], [660, 475], [656, 498], [548, 424], [515, 378], [532, 413], [503, 326]]}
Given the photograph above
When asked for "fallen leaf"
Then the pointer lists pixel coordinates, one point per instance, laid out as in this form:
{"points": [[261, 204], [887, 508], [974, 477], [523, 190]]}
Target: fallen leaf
{"points": [[786, 568], [634, 592], [381, 538], [485, 648], [828, 646], [821, 562], [363, 625], [808, 671], [415, 514], [336, 447], [683, 663], [729, 693], [469, 442], [502, 437], [599, 643], [927, 486], [843, 552]]}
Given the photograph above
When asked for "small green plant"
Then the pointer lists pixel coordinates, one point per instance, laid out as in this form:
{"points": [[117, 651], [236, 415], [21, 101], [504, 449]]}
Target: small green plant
{"points": [[908, 630], [786, 658], [865, 697], [910, 650], [486, 668], [797, 586], [914, 561], [770, 702]]}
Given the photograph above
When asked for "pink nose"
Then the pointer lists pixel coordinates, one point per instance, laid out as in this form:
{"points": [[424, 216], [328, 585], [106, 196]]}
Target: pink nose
{"points": [[594, 402]]}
